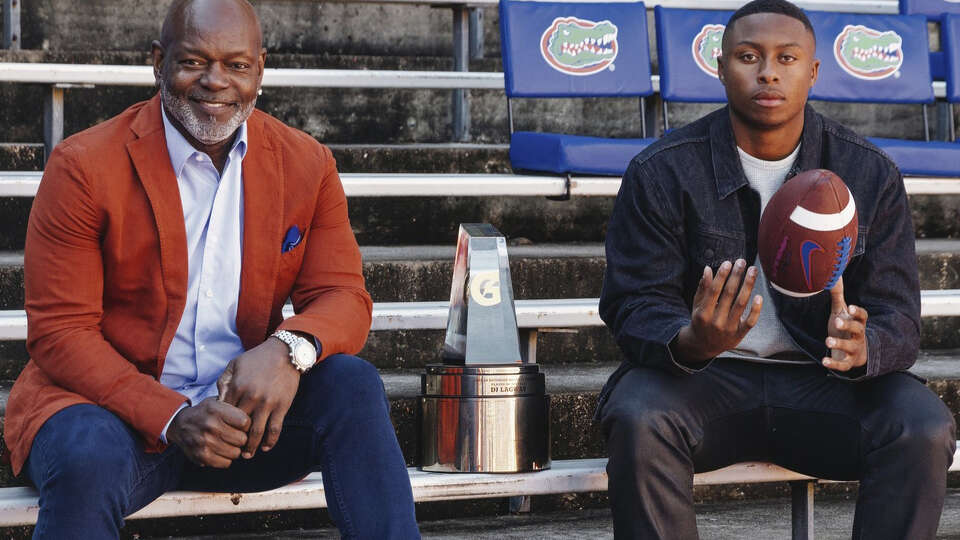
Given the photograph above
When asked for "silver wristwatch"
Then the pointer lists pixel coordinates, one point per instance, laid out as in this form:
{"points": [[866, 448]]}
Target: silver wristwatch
{"points": [[303, 354]]}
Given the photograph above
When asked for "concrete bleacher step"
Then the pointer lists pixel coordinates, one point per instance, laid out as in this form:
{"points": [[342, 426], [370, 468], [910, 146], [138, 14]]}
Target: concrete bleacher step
{"points": [[306, 26], [332, 115], [398, 221], [539, 271], [423, 158], [423, 273], [574, 389], [367, 157], [390, 116], [21, 156]]}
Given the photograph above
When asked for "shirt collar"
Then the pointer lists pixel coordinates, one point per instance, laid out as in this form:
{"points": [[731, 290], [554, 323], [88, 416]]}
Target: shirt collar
{"points": [[727, 168], [181, 150]]}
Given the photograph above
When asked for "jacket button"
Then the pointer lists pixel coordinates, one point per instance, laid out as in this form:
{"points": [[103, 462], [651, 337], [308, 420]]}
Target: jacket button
{"points": [[708, 253]]}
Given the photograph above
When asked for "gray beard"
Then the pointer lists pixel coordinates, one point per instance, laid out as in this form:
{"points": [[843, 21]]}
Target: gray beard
{"points": [[205, 129]]}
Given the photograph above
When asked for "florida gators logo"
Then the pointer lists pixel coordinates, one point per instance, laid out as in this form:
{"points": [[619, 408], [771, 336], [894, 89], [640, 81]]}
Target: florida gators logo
{"points": [[579, 47], [868, 54], [707, 48]]}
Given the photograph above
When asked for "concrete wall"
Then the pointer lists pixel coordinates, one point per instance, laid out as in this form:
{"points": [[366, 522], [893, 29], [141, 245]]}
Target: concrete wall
{"points": [[302, 26]]}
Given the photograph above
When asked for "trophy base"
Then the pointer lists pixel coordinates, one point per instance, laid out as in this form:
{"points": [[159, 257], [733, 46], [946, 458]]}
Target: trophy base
{"points": [[489, 418]]}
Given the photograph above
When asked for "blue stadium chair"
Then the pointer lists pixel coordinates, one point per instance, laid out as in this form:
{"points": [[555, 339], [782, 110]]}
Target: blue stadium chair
{"points": [[882, 59], [570, 50], [934, 10], [688, 43], [950, 30]]}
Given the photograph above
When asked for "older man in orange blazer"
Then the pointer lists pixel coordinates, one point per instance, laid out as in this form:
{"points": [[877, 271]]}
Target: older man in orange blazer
{"points": [[161, 248]]}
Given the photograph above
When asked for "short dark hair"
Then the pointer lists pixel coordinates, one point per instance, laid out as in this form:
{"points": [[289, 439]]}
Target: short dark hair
{"points": [[781, 7]]}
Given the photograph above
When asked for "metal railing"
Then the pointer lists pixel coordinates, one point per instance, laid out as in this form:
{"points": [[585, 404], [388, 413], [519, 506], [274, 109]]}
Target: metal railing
{"points": [[19, 505], [531, 314], [26, 183]]}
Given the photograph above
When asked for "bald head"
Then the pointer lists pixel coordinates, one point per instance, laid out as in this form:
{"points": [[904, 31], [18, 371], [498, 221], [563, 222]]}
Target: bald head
{"points": [[186, 17]]}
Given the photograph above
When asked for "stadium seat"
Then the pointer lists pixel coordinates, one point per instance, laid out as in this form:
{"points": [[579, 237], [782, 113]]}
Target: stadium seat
{"points": [[570, 50], [950, 30], [874, 59], [934, 11], [688, 44]]}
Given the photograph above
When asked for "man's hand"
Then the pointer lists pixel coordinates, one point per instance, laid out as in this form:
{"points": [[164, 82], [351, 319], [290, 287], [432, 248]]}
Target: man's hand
{"points": [[717, 322], [210, 433], [845, 333], [261, 382]]}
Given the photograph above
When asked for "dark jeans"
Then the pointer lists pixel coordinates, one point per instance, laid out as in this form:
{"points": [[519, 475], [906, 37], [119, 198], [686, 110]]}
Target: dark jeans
{"points": [[891, 433], [91, 469]]}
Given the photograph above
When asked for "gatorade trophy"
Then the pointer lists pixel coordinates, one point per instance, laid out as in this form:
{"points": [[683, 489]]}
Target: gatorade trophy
{"points": [[483, 409]]}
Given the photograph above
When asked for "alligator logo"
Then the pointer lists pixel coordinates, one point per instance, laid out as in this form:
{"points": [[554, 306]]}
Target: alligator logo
{"points": [[868, 54], [706, 48], [578, 46]]}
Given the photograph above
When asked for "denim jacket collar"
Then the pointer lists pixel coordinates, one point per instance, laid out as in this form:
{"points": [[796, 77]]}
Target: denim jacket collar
{"points": [[727, 169]]}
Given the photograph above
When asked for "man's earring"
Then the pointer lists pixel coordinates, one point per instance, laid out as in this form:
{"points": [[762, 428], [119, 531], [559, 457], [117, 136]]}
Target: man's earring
{"points": [[259, 91]]}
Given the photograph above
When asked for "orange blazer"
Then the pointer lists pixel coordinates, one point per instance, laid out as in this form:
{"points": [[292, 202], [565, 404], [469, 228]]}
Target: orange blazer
{"points": [[105, 268]]}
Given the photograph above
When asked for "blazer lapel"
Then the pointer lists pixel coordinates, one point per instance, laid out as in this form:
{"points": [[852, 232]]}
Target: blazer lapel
{"points": [[262, 233], [152, 163]]}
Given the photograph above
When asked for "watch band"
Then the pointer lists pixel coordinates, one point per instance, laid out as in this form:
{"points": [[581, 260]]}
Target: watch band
{"points": [[293, 341]]}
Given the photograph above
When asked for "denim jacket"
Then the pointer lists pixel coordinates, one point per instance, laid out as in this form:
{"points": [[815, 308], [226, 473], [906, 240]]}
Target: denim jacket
{"points": [[685, 203]]}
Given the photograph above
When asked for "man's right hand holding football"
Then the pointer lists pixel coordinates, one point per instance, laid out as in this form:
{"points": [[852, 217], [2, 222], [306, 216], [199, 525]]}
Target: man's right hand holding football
{"points": [[211, 433], [717, 322]]}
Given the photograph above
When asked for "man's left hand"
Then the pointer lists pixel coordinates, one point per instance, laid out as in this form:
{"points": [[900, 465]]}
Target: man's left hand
{"points": [[261, 382], [845, 333]]}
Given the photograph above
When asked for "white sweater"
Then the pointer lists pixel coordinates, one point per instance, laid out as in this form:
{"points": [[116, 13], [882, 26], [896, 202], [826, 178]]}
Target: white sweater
{"points": [[768, 337]]}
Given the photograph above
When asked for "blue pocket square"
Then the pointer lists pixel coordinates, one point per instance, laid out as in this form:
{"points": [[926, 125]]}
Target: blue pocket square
{"points": [[291, 240]]}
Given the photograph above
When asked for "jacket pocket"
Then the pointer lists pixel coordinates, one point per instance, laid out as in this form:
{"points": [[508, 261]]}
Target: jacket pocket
{"points": [[711, 248]]}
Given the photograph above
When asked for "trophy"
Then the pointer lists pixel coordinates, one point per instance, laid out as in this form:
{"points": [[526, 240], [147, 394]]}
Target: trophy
{"points": [[484, 408]]}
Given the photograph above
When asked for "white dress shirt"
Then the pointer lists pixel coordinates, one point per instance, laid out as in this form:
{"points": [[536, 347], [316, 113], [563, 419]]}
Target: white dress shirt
{"points": [[207, 339]]}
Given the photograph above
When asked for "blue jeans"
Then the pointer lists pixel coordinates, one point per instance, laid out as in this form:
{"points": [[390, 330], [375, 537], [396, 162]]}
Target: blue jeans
{"points": [[891, 433], [91, 469]]}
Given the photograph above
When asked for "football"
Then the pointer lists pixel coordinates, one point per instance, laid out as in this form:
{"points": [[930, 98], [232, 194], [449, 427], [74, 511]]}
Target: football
{"points": [[808, 231]]}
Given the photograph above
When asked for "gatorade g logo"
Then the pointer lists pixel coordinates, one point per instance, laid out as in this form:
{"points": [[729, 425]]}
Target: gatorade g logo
{"points": [[485, 287], [706, 48], [578, 46], [868, 54]]}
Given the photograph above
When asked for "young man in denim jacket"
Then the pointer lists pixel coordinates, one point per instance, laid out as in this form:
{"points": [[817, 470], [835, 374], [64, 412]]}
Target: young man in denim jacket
{"points": [[722, 369]]}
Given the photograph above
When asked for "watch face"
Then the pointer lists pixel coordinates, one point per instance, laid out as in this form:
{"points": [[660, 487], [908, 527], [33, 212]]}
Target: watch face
{"points": [[304, 355]]}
